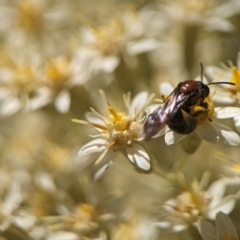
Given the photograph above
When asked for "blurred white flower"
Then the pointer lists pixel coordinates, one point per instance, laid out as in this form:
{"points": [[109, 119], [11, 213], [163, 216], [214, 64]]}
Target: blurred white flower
{"points": [[21, 87], [195, 203], [102, 47], [32, 21], [208, 15], [224, 228], [136, 228], [92, 220], [119, 132]]}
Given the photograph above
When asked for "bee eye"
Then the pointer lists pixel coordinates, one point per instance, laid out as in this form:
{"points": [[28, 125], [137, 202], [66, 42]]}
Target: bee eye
{"points": [[206, 91]]}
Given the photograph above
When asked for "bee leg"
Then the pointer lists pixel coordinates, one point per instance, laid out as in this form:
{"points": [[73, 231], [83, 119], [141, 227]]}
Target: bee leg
{"points": [[200, 113]]}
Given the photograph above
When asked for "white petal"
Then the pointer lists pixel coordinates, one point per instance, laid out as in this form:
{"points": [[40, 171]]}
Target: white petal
{"points": [[141, 46], [96, 145], [61, 235], [224, 97], [94, 118], [163, 225], [213, 72], [237, 122], [10, 106], [225, 226], [217, 189], [218, 24], [165, 88], [172, 137], [138, 102], [227, 112], [42, 98], [62, 102], [226, 205], [226, 135], [208, 231], [138, 156], [179, 227], [12, 199], [109, 63], [207, 132], [4, 93], [102, 164], [45, 181]]}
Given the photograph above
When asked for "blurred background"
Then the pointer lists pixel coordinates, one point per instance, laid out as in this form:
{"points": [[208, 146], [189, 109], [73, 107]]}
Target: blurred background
{"points": [[55, 55]]}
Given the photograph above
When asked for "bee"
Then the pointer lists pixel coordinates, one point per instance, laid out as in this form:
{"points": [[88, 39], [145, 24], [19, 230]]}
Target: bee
{"points": [[182, 109]]}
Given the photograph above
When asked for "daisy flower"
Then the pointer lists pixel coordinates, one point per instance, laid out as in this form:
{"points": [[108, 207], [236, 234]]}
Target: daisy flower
{"points": [[118, 132], [207, 15], [195, 203], [33, 21], [103, 46], [21, 85], [229, 94], [90, 218], [206, 126], [224, 228]]}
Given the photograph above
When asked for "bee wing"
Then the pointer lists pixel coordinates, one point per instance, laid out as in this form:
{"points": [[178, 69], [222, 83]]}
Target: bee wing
{"points": [[158, 119]]}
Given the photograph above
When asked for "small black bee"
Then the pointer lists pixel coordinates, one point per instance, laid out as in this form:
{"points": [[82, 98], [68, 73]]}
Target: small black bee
{"points": [[175, 111]]}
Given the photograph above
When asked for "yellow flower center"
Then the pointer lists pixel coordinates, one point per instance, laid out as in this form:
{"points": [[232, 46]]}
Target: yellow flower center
{"points": [[235, 78], [23, 79], [57, 70], [108, 38], [189, 206], [30, 18], [118, 120]]}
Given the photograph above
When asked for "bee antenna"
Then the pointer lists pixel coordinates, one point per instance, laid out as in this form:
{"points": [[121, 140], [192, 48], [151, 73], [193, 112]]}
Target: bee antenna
{"points": [[201, 71], [229, 83]]}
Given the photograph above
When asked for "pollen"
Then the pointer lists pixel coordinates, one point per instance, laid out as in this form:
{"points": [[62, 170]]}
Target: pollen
{"points": [[118, 120], [235, 78], [57, 70], [203, 112]]}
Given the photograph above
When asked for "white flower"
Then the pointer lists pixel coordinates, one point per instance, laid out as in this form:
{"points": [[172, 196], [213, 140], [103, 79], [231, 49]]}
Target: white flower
{"points": [[195, 203], [21, 87], [229, 94], [119, 132], [32, 21], [102, 46], [207, 15], [224, 228]]}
